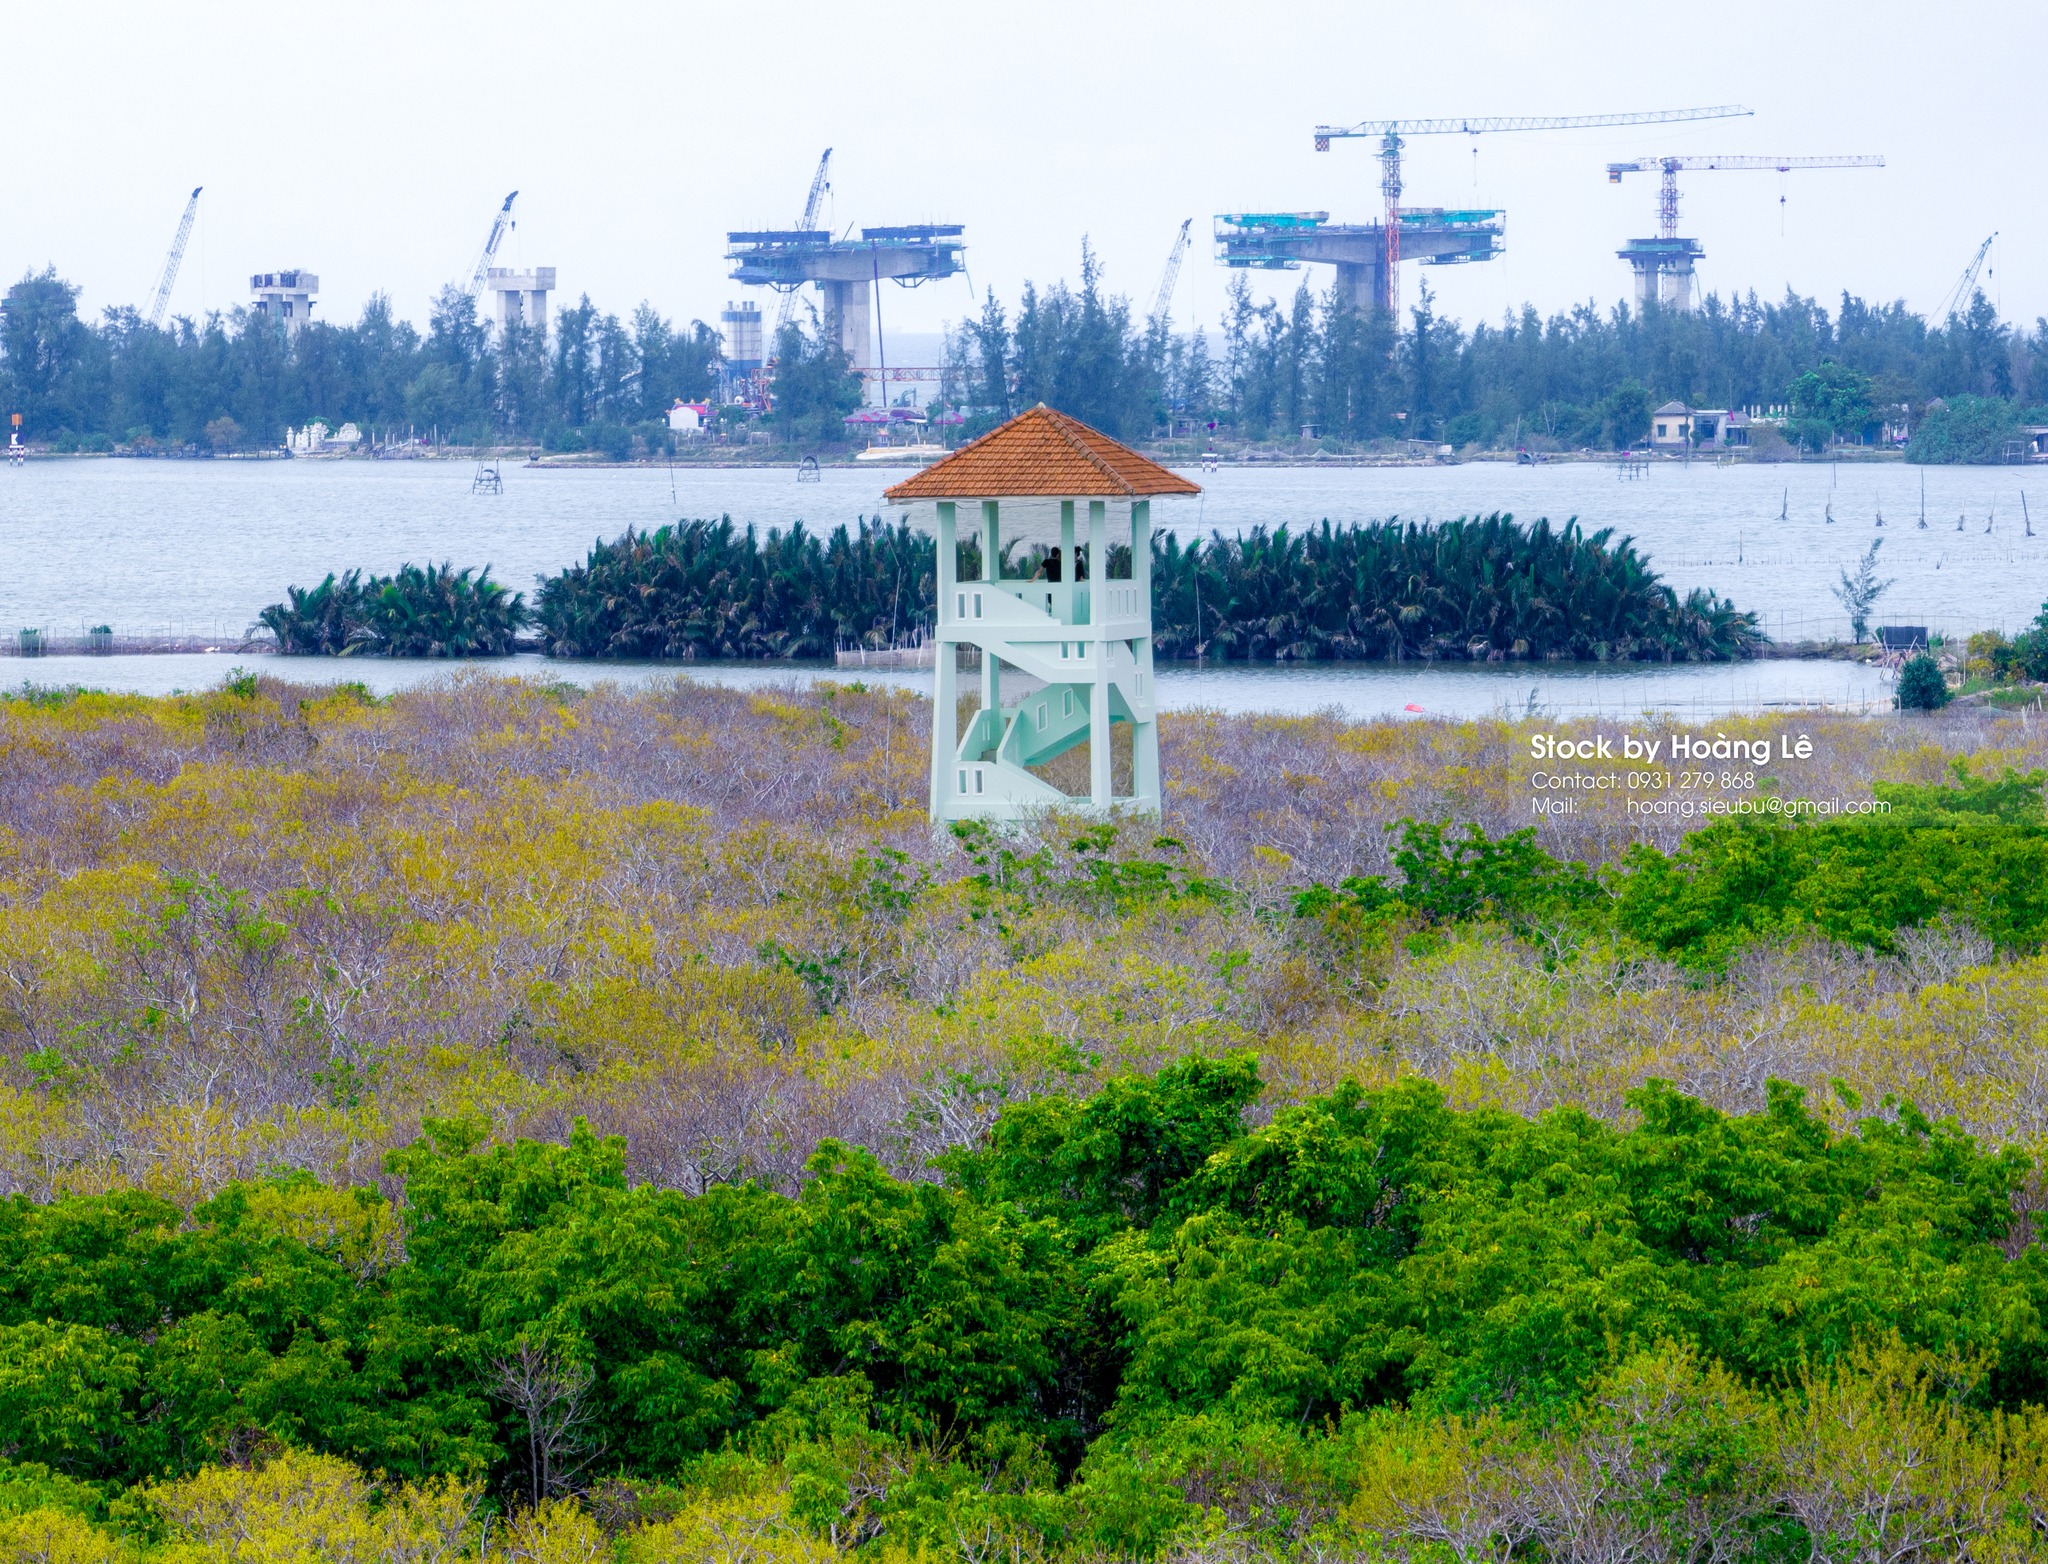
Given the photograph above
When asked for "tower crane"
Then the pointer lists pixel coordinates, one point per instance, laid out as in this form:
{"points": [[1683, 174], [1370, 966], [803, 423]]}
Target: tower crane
{"points": [[502, 224], [174, 259], [1671, 167], [1966, 285], [1171, 275], [1670, 256], [1391, 134], [819, 185]]}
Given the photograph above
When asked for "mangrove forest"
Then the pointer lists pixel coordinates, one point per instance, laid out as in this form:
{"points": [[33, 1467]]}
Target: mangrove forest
{"points": [[1484, 589]]}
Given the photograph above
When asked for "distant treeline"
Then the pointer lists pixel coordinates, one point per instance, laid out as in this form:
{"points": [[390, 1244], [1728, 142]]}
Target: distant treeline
{"points": [[237, 380], [1579, 378], [1267, 371], [1485, 590]]}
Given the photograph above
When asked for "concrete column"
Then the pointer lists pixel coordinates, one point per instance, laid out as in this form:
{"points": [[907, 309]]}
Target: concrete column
{"points": [[1099, 777], [945, 670], [537, 312], [1145, 783], [949, 558], [1359, 284], [1067, 561], [1141, 556], [991, 570], [831, 308], [1145, 789], [1098, 558], [1681, 285], [1646, 285], [846, 319]]}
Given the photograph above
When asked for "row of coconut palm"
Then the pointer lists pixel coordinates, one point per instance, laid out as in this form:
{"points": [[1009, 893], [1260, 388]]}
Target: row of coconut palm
{"points": [[711, 589], [1486, 589], [421, 611]]}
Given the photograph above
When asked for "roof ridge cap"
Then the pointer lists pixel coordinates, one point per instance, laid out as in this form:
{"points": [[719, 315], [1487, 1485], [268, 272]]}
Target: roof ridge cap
{"points": [[1060, 421], [1078, 460]]}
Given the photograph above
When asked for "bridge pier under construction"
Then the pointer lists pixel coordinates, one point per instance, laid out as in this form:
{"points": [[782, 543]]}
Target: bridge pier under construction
{"points": [[847, 272], [1285, 241]]}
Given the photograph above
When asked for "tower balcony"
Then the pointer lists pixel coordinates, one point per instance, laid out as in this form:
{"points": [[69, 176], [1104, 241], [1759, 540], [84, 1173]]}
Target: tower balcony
{"points": [[1001, 606]]}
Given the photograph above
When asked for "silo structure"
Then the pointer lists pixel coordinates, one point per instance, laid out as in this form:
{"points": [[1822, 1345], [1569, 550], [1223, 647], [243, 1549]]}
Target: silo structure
{"points": [[740, 325]]}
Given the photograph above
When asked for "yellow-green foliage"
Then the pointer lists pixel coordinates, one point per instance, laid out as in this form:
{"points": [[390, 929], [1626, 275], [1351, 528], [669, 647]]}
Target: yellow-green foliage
{"points": [[292, 1507], [51, 1536], [299, 1508], [746, 1528]]}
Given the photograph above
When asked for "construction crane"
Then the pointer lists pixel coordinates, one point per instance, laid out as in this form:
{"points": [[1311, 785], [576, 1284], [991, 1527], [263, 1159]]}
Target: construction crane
{"points": [[1391, 134], [501, 225], [1171, 275], [1966, 285], [819, 185], [1672, 167], [172, 261], [1664, 265]]}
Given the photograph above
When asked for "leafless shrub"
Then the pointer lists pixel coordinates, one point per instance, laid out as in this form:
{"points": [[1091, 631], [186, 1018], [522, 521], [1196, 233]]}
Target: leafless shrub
{"points": [[550, 1392], [1942, 951]]}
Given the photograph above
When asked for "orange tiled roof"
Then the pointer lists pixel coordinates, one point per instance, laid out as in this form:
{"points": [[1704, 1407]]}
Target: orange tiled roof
{"points": [[1041, 452]]}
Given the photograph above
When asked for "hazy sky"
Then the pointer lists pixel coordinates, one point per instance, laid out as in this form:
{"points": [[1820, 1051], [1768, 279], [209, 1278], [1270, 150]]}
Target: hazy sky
{"points": [[372, 142]]}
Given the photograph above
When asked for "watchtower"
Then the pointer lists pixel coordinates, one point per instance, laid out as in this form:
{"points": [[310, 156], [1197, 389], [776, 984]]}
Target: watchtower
{"points": [[1076, 637]]}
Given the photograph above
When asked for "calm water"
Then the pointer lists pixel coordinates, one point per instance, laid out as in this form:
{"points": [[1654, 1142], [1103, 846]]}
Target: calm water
{"points": [[201, 546], [1459, 690]]}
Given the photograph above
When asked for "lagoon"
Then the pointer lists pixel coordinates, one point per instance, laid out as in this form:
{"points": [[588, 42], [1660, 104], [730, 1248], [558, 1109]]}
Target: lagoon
{"points": [[201, 546]]}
